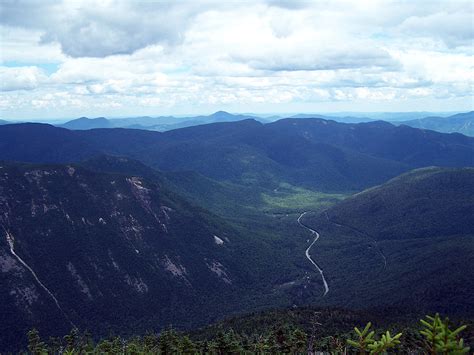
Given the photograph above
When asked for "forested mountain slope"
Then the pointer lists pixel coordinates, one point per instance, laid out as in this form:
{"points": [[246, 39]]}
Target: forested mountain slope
{"points": [[423, 203], [460, 123], [102, 251], [407, 242], [42, 143], [80, 240], [315, 153]]}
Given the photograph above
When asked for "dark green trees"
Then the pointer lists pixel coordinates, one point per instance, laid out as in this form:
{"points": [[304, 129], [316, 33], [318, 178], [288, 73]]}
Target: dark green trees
{"points": [[437, 336], [440, 338], [35, 345]]}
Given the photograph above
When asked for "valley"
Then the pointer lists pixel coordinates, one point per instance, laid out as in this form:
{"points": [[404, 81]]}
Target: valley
{"points": [[236, 177], [307, 251], [249, 216]]}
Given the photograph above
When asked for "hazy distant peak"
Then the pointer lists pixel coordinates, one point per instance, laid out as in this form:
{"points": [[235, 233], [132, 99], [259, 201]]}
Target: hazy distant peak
{"points": [[88, 123], [220, 114]]}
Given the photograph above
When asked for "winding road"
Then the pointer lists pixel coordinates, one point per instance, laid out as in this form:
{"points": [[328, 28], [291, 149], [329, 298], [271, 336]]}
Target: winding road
{"points": [[326, 287]]}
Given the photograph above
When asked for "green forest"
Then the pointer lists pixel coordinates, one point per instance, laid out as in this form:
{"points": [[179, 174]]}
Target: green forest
{"points": [[433, 335]]}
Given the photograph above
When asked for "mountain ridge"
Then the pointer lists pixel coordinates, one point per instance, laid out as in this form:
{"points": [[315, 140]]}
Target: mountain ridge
{"points": [[315, 153], [459, 123], [160, 123]]}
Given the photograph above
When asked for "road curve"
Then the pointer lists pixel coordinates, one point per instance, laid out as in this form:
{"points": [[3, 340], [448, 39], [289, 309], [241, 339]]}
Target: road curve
{"points": [[326, 287]]}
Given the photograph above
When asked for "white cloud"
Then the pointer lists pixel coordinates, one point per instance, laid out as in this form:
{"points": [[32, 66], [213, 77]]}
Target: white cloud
{"points": [[88, 28], [454, 29], [23, 46], [189, 55], [23, 78]]}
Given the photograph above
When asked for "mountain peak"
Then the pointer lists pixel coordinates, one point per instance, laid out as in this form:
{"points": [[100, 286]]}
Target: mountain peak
{"points": [[88, 123], [83, 118], [221, 114]]}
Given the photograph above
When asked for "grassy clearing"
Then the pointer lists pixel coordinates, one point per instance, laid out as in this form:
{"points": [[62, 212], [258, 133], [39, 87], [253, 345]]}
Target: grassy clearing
{"points": [[288, 197]]}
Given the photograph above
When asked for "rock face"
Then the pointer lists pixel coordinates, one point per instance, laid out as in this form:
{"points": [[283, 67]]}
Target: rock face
{"points": [[96, 250]]}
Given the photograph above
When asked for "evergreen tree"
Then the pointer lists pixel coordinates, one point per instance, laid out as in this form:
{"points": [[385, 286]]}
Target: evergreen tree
{"points": [[104, 346], [168, 342], [299, 340], [71, 339], [54, 345], [367, 342], [439, 338], [187, 346], [87, 344], [227, 343], [35, 345], [150, 342]]}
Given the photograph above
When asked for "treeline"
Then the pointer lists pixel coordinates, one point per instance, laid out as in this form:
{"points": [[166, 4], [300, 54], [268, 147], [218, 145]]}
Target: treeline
{"points": [[434, 336]]}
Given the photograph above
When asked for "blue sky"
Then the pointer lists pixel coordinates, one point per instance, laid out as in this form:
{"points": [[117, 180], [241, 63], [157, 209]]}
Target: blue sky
{"points": [[62, 59]]}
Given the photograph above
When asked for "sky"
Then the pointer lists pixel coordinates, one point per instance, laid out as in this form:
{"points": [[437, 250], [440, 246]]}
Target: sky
{"points": [[61, 59]]}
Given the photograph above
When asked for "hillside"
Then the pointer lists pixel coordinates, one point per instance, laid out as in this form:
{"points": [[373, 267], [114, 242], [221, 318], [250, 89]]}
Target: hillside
{"points": [[312, 153], [319, 154], [112, 233], [459, 123], [41, 143], [77, 245], [428, 202], [407, 242]]}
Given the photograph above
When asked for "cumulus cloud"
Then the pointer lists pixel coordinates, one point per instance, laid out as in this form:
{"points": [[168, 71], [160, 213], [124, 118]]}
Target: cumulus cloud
{"points": [[454, 29], [119, 54], [22, 45], [98, 29], [308, 57], [23, 78], [280, 40]]}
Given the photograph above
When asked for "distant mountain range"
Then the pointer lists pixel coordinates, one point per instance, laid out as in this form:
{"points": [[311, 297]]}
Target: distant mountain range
{"points": [[163, 123], [395, 116], [342, 119], [459, 123]]}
